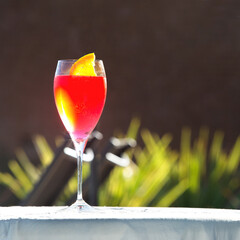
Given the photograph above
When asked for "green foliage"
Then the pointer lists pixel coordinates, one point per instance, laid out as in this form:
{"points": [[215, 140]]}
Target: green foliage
{"points": [[23, 175], [212, 173], [200, 174], [147, 182]]}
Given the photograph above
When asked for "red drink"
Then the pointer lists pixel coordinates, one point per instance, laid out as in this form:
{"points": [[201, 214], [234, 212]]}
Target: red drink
{"points": [[80, 101]]}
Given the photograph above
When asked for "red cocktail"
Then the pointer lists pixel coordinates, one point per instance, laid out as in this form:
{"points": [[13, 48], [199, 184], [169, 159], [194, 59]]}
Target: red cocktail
{"points": [[80, 93], [80, 101]]}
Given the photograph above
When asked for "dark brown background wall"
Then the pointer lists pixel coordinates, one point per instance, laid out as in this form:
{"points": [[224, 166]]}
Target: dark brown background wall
{"points": [[173, 63]]}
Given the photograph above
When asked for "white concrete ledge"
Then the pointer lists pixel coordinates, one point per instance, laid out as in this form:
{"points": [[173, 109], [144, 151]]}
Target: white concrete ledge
{"points": [[52, 223]]}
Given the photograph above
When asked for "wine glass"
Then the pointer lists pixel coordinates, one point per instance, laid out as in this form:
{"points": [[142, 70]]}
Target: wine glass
{"points": [[80, 101]]}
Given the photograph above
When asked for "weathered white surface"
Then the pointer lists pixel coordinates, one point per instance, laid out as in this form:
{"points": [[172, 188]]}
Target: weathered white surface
{"points": [[118, 223]]}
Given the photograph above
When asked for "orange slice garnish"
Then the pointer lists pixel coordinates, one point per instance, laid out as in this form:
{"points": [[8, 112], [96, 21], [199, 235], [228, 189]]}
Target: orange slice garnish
{"points": [[84, 66]]}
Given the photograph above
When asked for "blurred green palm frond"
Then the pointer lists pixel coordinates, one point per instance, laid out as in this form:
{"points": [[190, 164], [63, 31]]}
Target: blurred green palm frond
{"points": [[146, 181], [200, 174], [23, 173]]}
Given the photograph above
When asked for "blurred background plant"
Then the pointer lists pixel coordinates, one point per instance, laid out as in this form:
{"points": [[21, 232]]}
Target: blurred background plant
{"points": [[200, 174], [23, 174]]}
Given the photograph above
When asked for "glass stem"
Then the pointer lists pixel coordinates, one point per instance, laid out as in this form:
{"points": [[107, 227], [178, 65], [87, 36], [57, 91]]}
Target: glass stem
{"points": [[79, 147]]}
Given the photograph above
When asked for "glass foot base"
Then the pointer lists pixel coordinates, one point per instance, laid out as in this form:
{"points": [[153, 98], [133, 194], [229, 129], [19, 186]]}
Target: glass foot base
{"points": [[75, 209], [81, 205]]}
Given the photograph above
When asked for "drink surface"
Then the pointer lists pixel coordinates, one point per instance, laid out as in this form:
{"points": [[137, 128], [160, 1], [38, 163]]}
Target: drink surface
{"points": [[80, 101]]}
